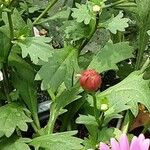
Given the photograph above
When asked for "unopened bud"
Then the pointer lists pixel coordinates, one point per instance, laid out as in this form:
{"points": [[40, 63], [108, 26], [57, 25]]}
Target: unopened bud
{"points": [[96, 8], [90, 80], [104, 107]]}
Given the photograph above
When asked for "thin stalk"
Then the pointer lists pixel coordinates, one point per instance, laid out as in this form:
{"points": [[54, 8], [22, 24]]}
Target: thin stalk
{"points": [[36, 120], [33, 124], [51, 122], [96, 115], [141, 49], [114, 4], [4, 70], [11, 28], [51, 94], [6, 85], [126, 122], [119, 123], [91, 34], [36, 130], [50, 4], [146, 64]]}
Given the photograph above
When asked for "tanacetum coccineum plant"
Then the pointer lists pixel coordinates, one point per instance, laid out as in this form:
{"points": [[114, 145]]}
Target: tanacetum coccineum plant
{"points": [[137, 143]]}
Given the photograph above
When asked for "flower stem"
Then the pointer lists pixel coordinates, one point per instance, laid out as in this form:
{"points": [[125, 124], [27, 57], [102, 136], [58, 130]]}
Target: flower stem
{"points": [[146, 64], [114, 4], [126, 122], [4, 70], [36, 120], [93, 30], [50, 4], [52, 120], [11, 28], [6, 84], [95, 110]]}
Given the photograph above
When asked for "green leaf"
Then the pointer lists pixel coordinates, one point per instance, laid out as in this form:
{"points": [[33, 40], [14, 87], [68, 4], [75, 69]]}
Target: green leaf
{"points": [[115, 24], [110, 55], [67, 97], [23, 80], [82, 13], [14, 143], [105, 134], [64, 140], [90, 143], [75, 31], [127, 94], [143, 13], [20, 27], [58, 69], [86, 120], [12, 116], [36, 47]]}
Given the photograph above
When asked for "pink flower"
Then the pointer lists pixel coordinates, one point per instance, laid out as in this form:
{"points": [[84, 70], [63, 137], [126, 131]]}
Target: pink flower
{"points": [[137, 143]]}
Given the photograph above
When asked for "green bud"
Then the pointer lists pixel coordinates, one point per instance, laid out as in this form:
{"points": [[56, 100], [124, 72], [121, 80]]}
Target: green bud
{"points": [[104, 107]]}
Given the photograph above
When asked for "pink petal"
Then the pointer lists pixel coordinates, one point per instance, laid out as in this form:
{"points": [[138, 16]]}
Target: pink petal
{"points": [[141, 137], [114, 144], [135, 144], [145, 144], [123, 142], [103, 146]]}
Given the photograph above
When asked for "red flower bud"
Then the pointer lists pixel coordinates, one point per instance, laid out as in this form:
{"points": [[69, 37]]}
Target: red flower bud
{"points": [[90, 80]]}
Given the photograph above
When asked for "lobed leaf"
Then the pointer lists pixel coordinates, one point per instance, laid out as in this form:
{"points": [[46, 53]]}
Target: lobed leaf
{"points": [[12, 116], [110, 55], [58, 69], [82, 13], [63, 141], [14, 143], [36, 47], [127, 94], [115, 24]]}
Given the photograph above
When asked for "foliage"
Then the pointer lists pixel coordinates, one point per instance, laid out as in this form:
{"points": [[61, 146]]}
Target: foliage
{"points": [[114, 54], [54, 141], [12, 117], [42, 72], [115, 24]]}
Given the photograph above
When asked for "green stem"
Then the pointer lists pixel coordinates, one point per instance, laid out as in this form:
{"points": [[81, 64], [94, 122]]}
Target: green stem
{"points": [[51, 122], [51, 94], [11, 28], [146, 64], [114, 4], [36, 120], [96, 114], [6, 85], [119, 123], [50, 4], [91, 34], [4, 70], [140, 51], [35, 123], [36, 130], [126, 122]]}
